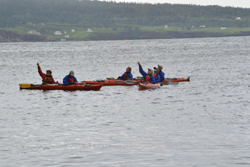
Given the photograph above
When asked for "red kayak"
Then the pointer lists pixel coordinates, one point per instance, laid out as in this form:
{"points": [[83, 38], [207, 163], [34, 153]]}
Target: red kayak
{"points": [[177, 79], [86, 87], [146, 85], [118, 82], [115, 82]]}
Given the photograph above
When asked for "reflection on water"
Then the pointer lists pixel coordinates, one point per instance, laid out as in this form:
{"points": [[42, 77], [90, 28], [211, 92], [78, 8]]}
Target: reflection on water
{"points": [[204, 122]]}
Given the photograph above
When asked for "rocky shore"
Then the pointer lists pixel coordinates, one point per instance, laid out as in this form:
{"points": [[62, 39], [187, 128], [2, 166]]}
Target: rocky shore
{"points": [[10, 36]]}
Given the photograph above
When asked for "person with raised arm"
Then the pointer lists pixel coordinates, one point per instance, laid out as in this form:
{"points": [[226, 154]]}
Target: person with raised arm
{"points": [[46, 78], [147, 77]]}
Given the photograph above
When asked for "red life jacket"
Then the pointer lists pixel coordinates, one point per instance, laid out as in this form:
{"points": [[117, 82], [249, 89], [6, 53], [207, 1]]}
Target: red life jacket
{"points": [[71, 80], [47, 80], [147, 78], [125, 76], [155, 75]]}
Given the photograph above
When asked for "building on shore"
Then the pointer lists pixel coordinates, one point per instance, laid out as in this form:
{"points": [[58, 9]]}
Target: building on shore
{"points": [[57, 33], [34, 32]]}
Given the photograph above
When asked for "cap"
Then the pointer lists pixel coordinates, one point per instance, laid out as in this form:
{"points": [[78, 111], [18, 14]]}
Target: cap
{"points": [[155, 68], [150, 70], [71, 73], [160, 67]]}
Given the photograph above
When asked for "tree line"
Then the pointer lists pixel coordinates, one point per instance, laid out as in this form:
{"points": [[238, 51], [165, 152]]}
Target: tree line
{"points": [[111, 14]]}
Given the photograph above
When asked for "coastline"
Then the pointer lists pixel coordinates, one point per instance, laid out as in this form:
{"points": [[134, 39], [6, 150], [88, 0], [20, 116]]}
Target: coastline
{"points": [[11, 36]]}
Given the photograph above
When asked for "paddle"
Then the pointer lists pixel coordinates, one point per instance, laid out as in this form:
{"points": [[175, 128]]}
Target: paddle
{"points": [[131, 81], [126, 81], [169, 79], [169, 83], [24, 86]]}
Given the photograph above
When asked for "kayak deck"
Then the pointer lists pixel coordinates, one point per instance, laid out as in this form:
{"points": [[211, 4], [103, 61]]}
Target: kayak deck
{"points": [[87, 87], [115, 82]]}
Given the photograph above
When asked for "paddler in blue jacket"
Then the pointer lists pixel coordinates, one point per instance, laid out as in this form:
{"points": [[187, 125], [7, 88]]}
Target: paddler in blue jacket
{"points": [[162, 74], [156, 75], [70, 79], [127, 74], [148, 77]]}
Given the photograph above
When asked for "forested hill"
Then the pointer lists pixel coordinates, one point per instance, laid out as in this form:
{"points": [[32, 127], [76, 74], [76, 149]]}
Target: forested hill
{"points": [[111, 14]]}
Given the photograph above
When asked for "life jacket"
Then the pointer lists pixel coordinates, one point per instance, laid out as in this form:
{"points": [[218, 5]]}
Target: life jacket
{"points": [[71, 80], [147, 78], [156, 76], [125, 76], [47, 80]]}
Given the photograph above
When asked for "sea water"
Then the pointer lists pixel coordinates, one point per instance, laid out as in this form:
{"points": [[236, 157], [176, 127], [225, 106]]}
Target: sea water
{"points": [[204, 122]]}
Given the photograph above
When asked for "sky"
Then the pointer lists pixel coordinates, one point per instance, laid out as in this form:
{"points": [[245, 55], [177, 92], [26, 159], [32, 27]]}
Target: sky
{"points": [[231, 3]]}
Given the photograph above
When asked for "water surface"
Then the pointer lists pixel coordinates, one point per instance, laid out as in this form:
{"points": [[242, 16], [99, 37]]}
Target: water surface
{"points": [[204, 122]]}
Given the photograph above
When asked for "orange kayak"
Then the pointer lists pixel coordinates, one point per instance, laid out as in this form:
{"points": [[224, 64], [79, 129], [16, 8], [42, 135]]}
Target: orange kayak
{"points": [[118, 82], [86, 87], [177, 79], [145, 86], [115, 82]]}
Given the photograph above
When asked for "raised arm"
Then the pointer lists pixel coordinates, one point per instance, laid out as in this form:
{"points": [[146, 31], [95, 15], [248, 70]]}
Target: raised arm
{"points": [[143, 73], [40, 71]]}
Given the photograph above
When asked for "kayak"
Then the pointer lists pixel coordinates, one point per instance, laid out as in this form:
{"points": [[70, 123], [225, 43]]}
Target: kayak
{"points": [[145, 86], [177, 79], [115, 82], [86, 87], [131, 82]]}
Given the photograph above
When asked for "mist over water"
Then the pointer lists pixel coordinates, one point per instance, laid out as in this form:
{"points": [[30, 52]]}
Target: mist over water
{"points": [[204, 122]]}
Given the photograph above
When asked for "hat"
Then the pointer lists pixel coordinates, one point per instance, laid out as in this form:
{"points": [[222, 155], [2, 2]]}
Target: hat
{"points": [[156, 70], [49, 71], [71, 73], [160, 67], [152, 71]]}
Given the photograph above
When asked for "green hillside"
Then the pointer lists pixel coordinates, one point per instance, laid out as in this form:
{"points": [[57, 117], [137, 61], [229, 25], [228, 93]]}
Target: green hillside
{"points": [[119, 20]]}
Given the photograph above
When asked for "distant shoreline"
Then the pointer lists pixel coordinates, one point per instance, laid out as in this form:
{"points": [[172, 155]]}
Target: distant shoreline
{"points": [[11, 36]]}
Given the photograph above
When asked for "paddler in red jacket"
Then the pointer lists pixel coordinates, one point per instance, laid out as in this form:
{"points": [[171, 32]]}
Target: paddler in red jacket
{"points": [[47, 78]]}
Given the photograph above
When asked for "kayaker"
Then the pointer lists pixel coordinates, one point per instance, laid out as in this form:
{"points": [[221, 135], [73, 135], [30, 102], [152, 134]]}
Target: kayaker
{"points": [[162, 74], [70, 79], [156, 75], [47, 78], [147, 77], [127, 74]]}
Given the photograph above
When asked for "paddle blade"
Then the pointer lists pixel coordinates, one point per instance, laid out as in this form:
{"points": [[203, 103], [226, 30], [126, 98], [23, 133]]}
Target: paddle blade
{"points": [[169, 83], [24, 86], [173, 83], [164, 83], [130, 81], [169, 79]]}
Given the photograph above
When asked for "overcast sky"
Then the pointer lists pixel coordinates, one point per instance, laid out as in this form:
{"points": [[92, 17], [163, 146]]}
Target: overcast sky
{"points": [[232, 3]]}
